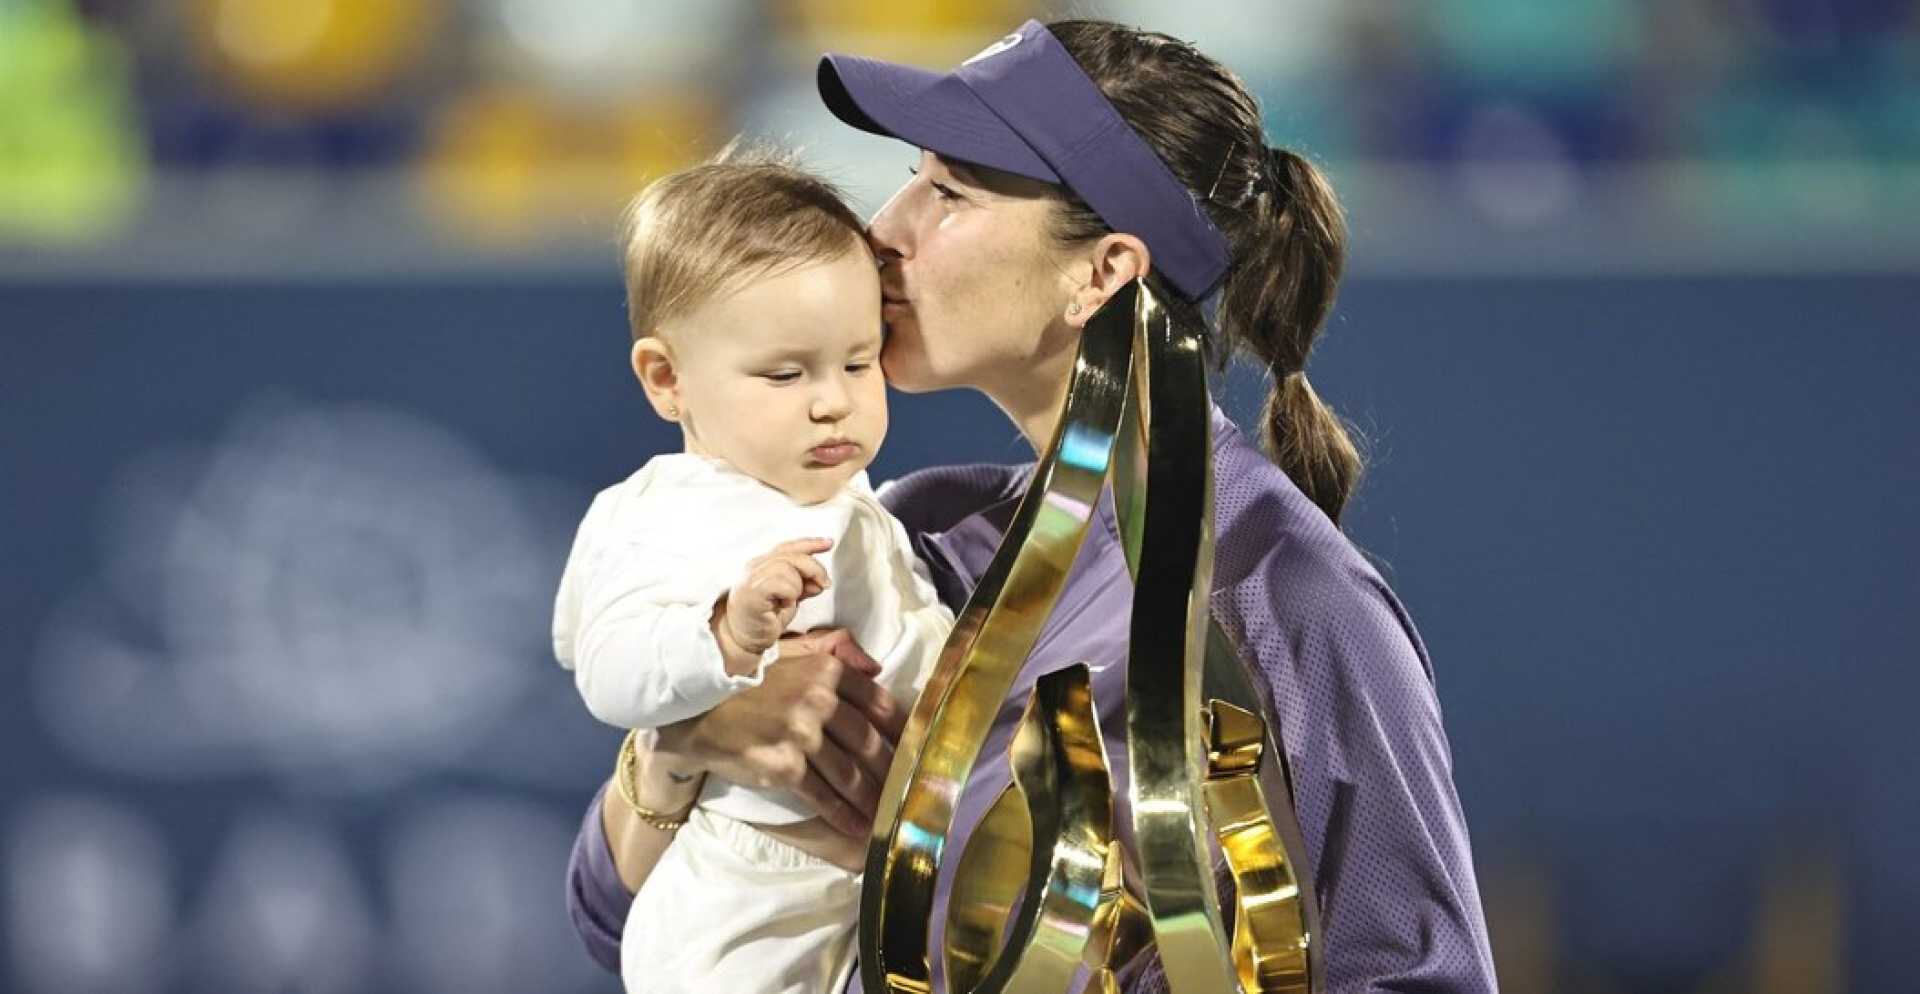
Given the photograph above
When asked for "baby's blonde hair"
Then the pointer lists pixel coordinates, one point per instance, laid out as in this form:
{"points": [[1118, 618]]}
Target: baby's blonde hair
{"points": [[748, 212]]}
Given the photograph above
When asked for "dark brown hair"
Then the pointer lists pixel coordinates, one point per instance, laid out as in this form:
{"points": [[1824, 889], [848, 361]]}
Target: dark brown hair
{"points": [[1284, 228], [748, 212]]}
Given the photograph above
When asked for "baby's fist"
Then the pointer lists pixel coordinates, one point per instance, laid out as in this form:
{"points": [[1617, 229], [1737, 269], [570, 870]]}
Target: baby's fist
{"points": [[761, 606]]}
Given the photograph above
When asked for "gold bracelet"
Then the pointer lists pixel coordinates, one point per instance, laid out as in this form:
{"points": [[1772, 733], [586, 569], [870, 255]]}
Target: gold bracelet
{"points": [[624, 768]]}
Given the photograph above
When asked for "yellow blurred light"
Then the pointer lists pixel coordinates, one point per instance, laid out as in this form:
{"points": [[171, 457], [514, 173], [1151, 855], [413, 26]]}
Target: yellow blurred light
{"points": [[911, 16], [270, 34], [513, 166], [315, 54], [923, 32], [481, 162]]}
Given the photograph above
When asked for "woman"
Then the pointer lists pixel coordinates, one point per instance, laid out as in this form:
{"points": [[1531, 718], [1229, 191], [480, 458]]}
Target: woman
{"points": [[1036, 197]]}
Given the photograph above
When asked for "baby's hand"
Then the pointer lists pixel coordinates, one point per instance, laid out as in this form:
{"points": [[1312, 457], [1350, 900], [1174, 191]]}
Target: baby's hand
{"points": [[761, 606]]}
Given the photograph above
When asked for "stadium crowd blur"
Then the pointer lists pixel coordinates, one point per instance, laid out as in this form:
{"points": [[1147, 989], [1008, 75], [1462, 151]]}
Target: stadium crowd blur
{"points": [[508, 123]]}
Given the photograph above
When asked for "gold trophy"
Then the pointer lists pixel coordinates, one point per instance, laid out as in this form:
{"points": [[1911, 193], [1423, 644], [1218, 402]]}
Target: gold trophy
{"points": [[1046, 897]]}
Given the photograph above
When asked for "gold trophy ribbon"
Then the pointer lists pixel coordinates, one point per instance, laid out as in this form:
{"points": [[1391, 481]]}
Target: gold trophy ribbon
{"points": [[1042, 897]]}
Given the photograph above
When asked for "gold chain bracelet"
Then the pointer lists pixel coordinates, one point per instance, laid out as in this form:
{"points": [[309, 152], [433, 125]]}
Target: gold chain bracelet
{"points": [[624, 768]]}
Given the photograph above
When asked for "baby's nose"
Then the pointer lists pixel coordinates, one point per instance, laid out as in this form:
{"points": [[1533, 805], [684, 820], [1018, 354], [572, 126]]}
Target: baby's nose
{"points": [[832, 402]]}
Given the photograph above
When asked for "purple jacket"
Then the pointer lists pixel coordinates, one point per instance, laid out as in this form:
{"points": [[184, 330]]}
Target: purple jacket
{"points": [[1348, 677]]}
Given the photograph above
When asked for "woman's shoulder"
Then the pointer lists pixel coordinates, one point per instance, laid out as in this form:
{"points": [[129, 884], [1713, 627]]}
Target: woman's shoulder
{"points": [[1288, 578], [937, 498]]}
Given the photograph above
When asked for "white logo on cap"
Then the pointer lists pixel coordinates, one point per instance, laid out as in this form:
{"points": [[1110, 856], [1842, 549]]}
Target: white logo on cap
{"points": [[995, 49]]}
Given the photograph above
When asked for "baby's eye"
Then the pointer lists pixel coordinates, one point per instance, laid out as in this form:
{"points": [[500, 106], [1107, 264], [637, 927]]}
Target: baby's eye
{"points": [[859, 367], [782, 376]]}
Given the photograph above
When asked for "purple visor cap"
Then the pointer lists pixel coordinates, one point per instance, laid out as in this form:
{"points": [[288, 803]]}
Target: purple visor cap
{"points": [[1026, 107]]}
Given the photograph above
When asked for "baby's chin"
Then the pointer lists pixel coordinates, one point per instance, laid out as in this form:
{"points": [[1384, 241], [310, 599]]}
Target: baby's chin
{"points": [[821, 483]]}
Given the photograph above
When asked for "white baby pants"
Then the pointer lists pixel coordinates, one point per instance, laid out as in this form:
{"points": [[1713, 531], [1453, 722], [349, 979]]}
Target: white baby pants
{"points": [[730, 909]]}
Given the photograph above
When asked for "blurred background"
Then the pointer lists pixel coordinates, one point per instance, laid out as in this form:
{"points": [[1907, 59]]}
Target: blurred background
{"points": [[312, 353]]}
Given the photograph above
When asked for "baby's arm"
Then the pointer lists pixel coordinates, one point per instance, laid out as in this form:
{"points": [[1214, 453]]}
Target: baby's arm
{"points": [[653, 640], [634, 620], [643, 651]]}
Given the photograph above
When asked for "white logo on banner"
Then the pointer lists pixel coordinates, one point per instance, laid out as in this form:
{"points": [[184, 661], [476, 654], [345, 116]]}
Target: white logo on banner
{"points": [[347, 595], [995, 49], [342, 600]]}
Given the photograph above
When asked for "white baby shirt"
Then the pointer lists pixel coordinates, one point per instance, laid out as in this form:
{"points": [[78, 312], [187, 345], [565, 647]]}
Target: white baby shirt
{"points": [[633, 615]]}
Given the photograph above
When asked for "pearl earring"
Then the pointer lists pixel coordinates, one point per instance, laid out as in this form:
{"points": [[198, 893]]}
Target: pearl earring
{"points": [[1073, 308]]}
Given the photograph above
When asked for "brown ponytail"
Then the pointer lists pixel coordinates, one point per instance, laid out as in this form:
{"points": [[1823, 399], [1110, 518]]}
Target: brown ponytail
{"points": [[1282, 290], [1284, 227]]}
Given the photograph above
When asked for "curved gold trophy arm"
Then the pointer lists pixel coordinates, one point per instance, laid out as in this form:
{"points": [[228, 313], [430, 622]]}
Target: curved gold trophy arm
{"points": [[1271, 875], [991, 638], [1040, 894], [1193, 791], [1166, 643], [1226, 677], [1061, 793]]}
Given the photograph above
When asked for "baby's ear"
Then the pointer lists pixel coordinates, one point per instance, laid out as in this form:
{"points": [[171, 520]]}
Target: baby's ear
{"points": [[653, 367]]}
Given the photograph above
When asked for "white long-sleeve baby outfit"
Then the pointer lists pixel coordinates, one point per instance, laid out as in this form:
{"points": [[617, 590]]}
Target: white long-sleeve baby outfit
{"points": [[728, 908], [633, 617]]}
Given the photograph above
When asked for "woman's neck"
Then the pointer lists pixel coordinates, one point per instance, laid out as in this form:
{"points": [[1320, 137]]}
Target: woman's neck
{"points": [[1033, 403], [1035, 385]]}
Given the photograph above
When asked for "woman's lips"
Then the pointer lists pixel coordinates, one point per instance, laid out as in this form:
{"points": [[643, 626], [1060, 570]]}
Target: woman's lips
{"points": [[834, 453]]}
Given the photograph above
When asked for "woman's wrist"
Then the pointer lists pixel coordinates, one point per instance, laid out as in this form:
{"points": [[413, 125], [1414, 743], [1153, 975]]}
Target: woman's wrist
{"points": [[672, 753], [642, 807], [660, 787]]}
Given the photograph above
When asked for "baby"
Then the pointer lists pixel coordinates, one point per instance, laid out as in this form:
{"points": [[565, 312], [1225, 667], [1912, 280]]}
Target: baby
{"points": [[755, 309]]}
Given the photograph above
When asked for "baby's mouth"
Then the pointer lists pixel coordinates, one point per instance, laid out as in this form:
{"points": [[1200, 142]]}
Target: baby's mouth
{"points": [[834, 453]]}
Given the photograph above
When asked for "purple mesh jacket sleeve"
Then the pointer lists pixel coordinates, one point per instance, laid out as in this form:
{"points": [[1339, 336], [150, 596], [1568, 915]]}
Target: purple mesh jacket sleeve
{"points": [[1373, 785], [596, 899], [1371, 775], [1352, 686]]}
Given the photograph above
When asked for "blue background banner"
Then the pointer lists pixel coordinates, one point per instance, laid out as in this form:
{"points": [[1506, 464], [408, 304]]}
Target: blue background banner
{"points": [[279, 561]]}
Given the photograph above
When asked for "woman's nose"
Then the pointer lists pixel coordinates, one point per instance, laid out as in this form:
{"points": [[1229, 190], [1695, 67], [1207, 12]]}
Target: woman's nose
{"points": [[889, 231]]}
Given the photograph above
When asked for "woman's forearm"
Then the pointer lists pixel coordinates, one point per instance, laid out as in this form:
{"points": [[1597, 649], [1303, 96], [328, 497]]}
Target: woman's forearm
{"points": [[750, 738], [616, 849], [634, 839]]}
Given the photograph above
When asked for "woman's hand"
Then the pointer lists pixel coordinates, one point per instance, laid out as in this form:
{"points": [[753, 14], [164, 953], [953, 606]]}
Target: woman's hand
{"points": [[817, 725]]}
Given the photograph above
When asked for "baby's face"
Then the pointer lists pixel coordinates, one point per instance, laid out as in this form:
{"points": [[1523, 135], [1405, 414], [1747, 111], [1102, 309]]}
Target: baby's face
{"points": [[782, 378]]}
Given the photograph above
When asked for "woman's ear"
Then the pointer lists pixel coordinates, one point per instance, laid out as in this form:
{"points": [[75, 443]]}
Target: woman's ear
{"points": [[1117, 259], [653, 367]]}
